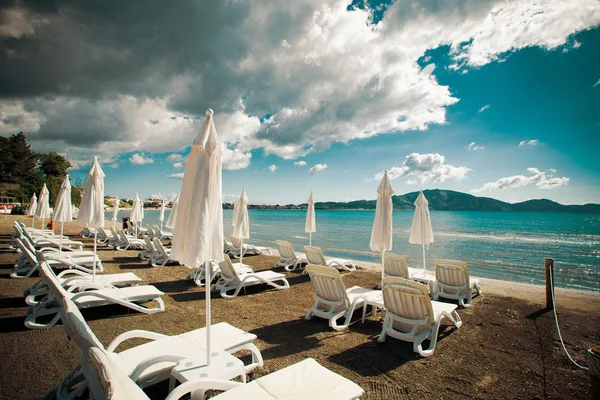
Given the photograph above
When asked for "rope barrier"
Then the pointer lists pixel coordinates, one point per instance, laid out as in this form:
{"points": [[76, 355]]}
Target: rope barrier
{"points": [[558, 328]]}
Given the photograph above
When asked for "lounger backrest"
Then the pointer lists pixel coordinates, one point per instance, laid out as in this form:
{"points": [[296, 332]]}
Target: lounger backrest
{"points": [[77, 328], [407, 299], [327, 283], [227, 270], [107, 380], [314, 255], [237, 243], [123, 236], [160, 249], [115, 234], [156, 229], [51, 280], [31, 256], [148, 244], [395, 265], [451, 272], [286, 250]]}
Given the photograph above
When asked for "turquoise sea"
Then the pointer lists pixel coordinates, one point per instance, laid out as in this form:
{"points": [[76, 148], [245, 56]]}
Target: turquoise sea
{"points": [[500, 245]]}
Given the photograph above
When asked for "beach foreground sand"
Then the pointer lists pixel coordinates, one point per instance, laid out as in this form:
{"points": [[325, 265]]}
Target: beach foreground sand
{"points": [[507, 347]]}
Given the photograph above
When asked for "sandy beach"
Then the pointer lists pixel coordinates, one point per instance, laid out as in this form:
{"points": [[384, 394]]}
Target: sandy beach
{"points": [[506, 348]]}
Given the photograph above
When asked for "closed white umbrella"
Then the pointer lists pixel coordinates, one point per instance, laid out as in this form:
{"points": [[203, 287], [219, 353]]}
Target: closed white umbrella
{"points": [[161, 217], [115, 211], [198, 232], [32, 208], [137, 212], [63, 211], [43, 208], [173, 215], [91, 209], [381, 235], [310, 225], [240, 222], [421, 231]]}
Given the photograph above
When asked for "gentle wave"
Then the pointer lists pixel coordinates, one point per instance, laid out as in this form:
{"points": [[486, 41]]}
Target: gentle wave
{"points": [[516, 238]]}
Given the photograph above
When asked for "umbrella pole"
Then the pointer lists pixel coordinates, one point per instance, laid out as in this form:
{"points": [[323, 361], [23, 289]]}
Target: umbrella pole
{"points": [[95, 251], [43, 229], [241, 251], [310, 238], [424, 266], [114, 222], [208, 272], [62, 229], [33, 221], [161, 226], [382, 266]]}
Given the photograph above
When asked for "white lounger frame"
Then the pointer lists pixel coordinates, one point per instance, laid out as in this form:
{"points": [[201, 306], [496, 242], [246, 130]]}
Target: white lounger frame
{"points": [[411, 316], [287, 257], [232, 280], [315, 256]]}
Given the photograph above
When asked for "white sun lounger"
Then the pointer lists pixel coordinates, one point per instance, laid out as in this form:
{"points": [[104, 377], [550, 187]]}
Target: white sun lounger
{"points": [[288, 259], [128, 242], [248, 249], [26, 262], [150, 362], [315, 257], [395, 266], [411, 316], [53, 241], [304, 380], [162, 255], [105, 236], [232, 280], [89, 295], [333, 301], [54, 259], [148, 251], [453, 282], [87, 232], [162, 234]]}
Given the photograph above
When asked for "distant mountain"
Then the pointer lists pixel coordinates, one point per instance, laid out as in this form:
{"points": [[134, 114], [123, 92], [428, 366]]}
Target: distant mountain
{"points": [[449, 200]]}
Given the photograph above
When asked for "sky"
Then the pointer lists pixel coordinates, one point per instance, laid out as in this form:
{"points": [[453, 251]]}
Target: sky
{"points": [[494, 98]]}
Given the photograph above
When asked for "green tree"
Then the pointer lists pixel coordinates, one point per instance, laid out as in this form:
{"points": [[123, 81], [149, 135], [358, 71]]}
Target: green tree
{"points": [[53, 164]]}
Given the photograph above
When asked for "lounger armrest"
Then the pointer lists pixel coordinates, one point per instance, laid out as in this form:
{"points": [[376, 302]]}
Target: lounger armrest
{"points": [[82, 286], [134, 334], [201, 384], [66, 272], [148, 362]]}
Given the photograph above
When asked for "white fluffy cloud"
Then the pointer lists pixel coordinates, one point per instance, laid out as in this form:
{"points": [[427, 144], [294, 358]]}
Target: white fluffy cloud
{"points": [[426, 168], [176, 176], [292, 77], [235, 159], [140, 159], [317, 168], [178, 165], [273, 168], [474, 147], [541, 179], [174, 157], [533, 142], [300, 163], [482, 109]]}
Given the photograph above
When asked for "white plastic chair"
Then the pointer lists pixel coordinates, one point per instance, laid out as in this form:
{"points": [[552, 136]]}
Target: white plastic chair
{"points": [[129, 242], [315, 256], [232, 280], [162, 255], [333, 300], [288, 259], [411, 316], [453, 282]]}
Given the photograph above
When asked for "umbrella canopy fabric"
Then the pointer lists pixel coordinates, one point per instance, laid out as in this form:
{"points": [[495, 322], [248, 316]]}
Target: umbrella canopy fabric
{"points": [[310, 224], [173, 216], [91, 209], [63, 211], [421, 231], [240, 222], [198, 230], [137, 210], [381, 235], [163, 204], [115, 209], [33, 204], [43, 208]]}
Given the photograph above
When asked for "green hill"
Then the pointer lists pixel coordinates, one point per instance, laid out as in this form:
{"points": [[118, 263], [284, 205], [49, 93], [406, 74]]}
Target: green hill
{"points": [[449, 200]]}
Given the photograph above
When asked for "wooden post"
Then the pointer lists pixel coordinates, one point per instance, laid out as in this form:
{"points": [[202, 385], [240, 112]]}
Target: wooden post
{"points": [[549, 270]]}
